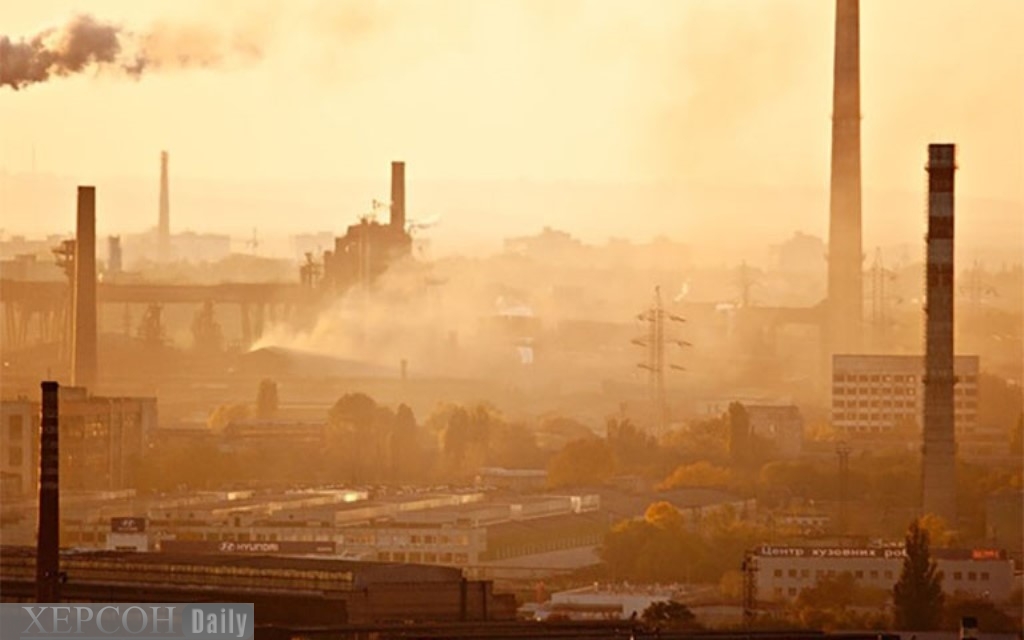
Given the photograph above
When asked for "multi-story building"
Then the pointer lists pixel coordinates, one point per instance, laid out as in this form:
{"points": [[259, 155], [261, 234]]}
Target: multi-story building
{"points": [[18, 421], [783, 572], [879, 394], [101, 441], [780, 424]]}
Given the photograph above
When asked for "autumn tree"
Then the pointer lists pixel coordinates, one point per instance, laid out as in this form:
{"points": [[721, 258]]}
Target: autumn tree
{"points": [[266, 400], [917, 596], [635, 450], [583, 462], [698, 474], [225, 414]]}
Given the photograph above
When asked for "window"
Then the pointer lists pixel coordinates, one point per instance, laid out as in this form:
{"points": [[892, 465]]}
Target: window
{"points": [[778, 573], [778, 592], [14, 456], [819, 573], [957, 575], [874, 575], [792, 591], [792, 573], [15, 428], [972, 576], [805, 573], [984, 575], [858, 574], [888, 575]]}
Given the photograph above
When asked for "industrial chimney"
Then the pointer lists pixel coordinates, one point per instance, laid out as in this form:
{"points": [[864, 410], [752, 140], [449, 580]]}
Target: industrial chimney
{"points": [[164, 226], [114, 254], [48, 534], [398, 196], [939, 452], [844, 236], [84, 327]]}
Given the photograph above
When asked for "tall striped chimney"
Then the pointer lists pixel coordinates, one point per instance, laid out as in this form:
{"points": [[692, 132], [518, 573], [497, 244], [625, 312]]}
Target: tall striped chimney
{"points": [[939, 451], [48, 534], [164, 225], [844, 235], [84, 328]]}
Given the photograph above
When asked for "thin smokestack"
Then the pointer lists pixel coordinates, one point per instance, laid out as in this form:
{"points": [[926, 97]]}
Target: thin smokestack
{"points": [[844, 242], [398, 195], [164, 223], [48, 536], [84, 336], [939, 453]]}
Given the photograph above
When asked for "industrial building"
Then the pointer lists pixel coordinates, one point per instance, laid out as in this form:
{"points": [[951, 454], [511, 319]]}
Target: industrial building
{"points": [[782, 572], [295, 591], [369, 247], [880, 393], [102, 440], [782, 425]]}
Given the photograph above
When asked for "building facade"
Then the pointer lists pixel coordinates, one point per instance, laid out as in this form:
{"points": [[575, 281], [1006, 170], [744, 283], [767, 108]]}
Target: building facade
{"points": [[883, 394], [783, 572], [102, 440]]}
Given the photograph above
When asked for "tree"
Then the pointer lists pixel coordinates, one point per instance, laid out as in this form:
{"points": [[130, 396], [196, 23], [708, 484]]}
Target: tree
{"points": [[225, 414], [587, 461], [698, 474], [670, 613], [739, 433], [266, 400], [634, 449], [917, 596]]}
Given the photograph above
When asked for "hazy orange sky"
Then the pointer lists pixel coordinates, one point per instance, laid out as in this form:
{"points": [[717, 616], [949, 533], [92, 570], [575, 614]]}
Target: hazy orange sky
{"points": [[722, 92]]}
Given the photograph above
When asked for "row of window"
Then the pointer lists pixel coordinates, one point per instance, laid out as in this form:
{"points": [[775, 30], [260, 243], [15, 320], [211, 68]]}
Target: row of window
{"points": [[873, 417], [805, 574], [872, 391], [889, 417], [909, 404], [428, 558], [896, 377]]}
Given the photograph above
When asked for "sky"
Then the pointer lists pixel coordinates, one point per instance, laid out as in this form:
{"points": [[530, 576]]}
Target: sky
{"points": [[706, 95]]}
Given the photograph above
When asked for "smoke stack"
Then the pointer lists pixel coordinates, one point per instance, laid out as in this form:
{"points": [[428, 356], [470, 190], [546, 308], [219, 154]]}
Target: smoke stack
{"points": [[398, 196], [164, 225], [48, 536], [844, 237], [84, 329], [114, 254], [939, 453]]}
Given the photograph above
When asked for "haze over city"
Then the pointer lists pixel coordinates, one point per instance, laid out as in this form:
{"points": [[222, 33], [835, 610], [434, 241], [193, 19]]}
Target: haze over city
{"points": [[515, 318], [689, 112]]}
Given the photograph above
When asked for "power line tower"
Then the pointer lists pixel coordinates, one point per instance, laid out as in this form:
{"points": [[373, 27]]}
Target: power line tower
{"points": [[655, 364], [880, 275]]}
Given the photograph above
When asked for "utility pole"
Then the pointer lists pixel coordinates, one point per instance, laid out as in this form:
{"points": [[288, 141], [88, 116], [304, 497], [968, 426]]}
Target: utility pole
{"points": [[843, 452], [749, 568], [655, 363]]}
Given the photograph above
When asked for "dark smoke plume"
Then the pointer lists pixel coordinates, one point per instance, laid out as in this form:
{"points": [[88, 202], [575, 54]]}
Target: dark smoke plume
{"points": [[86, 41]]}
